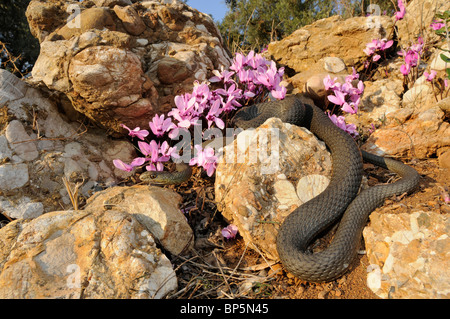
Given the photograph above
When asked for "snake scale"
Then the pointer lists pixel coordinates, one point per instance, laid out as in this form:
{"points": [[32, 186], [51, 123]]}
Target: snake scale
{"points": [[339, 202]]}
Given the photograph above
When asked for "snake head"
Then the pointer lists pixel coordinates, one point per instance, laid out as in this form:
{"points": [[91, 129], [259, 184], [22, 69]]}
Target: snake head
{"points": [[151, 177], [182, 174]]}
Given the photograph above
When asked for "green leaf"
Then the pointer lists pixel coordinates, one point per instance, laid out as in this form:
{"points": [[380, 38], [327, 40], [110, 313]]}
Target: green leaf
{"points": [[446, 14], [445, 58], [448, 72]]}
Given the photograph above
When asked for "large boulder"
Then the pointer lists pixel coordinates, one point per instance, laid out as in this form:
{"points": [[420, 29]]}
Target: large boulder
{"points": [[254, 183], [84, 254], [305, 51]]}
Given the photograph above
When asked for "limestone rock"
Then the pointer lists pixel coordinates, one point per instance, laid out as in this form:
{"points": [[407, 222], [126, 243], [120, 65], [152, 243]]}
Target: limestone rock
{"points": [[381, 101], [44, 16], [131, 20], [105, 75], [82, 254], [154, 207], [38, 147], [258, 191], [89, 19], [410, 28], [408, 255], [124, 62], [421, 136], [444, 105], [23, 209], [344, 39], [444, 157], [436, 62]]}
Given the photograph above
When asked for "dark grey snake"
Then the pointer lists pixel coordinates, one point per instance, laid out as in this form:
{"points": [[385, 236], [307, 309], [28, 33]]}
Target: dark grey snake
{"points": [[337, 203]]}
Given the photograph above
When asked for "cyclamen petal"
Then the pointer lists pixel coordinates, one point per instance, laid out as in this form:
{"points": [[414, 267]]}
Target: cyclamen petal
{"points": [[430, 76], [141, 134], [349, 108], [388, 44], [404, 69], [279, 93], [230, 231], [219, 123], [128, 167], [138, 161], [122, 166], [338, 98], [436, 25]]}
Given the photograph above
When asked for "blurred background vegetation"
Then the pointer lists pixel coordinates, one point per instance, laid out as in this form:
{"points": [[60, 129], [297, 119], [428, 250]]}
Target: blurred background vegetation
{"points": [[18, 48], [248, 24]]}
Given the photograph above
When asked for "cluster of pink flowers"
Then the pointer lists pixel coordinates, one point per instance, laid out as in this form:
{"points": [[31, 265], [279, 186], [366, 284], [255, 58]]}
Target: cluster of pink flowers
{"points": [[347, 97], [373, 48], [400, 14], [411, 56], [250, 76], [256, 74]]}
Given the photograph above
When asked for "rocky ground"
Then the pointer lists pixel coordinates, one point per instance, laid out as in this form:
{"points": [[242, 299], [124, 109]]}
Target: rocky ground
{"points": [[230, 268]]}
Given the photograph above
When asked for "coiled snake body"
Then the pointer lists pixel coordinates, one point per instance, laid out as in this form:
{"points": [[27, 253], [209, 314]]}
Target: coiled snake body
{"points": [[339, 202]]}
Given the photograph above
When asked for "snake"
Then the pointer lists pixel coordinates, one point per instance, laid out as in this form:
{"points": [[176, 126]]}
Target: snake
{"points": [[340, 203]]}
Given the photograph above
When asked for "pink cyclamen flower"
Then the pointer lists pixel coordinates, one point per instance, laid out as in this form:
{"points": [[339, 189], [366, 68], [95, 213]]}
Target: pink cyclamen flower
{"points": [[213, 115], [351, 107], [167, 152], [185, 112], [128, 167], [429, 76], [371, 47], [404, 69], [338, 98], [159, 125], [339, 121], [222, 75], [386, 44], [330, 83], [153, 150], [238, 62], [230, 231], [140, 134], [205, 158], [400, 14], [437, 24], [279, 93]]}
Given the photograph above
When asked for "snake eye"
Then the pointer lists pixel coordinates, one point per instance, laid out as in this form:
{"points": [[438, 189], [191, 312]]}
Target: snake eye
{"points": [[152, 176]]}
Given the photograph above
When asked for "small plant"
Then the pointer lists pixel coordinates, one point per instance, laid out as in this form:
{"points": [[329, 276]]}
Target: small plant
{"points": [[250, 79], [440, 26], [347, 97], [411, 58], [374, 49]]}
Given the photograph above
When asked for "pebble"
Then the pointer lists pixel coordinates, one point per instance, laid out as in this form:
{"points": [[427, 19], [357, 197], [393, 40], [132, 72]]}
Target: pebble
{"points": [[13, 176], [16, 135]]}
